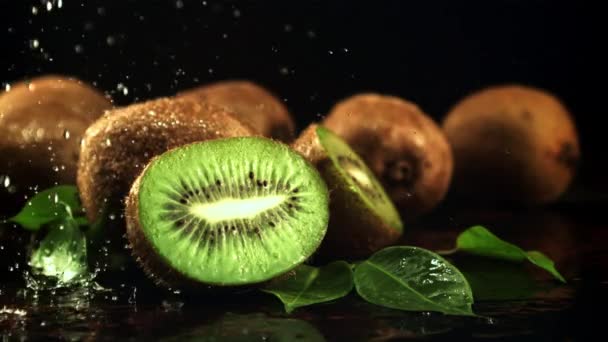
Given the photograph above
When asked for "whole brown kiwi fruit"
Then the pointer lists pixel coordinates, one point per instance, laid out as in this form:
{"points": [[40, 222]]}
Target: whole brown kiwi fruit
{"points": [[405, 149], [41, 123], [250, 103], [512, 143], [116, 147]]}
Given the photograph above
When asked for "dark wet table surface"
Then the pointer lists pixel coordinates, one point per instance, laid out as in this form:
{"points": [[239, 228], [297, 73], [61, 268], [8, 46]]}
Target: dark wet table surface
{"points": [[516, 302]]}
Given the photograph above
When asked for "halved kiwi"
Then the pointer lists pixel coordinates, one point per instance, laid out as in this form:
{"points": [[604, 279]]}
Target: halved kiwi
{"points": [[228, 212], [116, 147], [250, 103], [363, 217]]}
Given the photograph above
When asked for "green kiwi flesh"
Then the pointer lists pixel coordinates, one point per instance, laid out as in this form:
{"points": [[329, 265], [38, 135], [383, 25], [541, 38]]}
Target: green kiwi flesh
{"points": [[363, 217], [359, 177], [228, 212]]}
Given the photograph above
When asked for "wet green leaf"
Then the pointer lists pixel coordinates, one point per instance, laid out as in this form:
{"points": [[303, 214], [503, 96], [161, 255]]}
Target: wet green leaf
{"points": [[62, 253], [308, 285], [478, 240], [413, 279], [54, 204]]}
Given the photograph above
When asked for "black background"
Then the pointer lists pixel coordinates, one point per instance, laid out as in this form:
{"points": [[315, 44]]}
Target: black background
{"points": [[314, 53]]}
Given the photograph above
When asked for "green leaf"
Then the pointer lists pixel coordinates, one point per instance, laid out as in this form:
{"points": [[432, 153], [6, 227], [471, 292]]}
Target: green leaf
{"points": [[543, 261], [54, 204], [413, 279], [478, 240], [308, 285], [62, 254]]}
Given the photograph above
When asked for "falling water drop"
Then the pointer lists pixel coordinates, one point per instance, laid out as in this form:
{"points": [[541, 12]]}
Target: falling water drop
{"points": [[34, 44]]}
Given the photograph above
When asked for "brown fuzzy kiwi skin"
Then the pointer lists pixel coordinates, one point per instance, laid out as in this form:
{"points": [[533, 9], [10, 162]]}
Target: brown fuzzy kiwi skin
{"points": [[405, 148], [512, 143], [117, 146], [352, 232], [252, 104], [41, 123]]}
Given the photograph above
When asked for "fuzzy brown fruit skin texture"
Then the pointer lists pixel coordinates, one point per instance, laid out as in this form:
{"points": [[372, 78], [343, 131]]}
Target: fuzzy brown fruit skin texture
{"points": [[353, 231], [512, 143], [250, 103], [41, 123], [404, 148], [117, 146]]}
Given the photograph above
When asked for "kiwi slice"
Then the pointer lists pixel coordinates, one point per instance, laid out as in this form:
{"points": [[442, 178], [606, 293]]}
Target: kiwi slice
{"points": [[252, 104], [226, 212], [363, 218], [116, 147]]}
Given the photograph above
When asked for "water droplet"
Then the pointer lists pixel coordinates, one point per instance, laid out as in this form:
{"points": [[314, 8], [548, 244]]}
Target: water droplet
{"points": [[121, 87], [288, 28], [112, 216], [7, 181], [7, 87], [56, 168], [34, 43], [108, 142], [66, 134], [179, 4], [110, 40], [284, 70], [236, 13], [330, 52], [78, 48], [49, 6], [34, 10]]}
